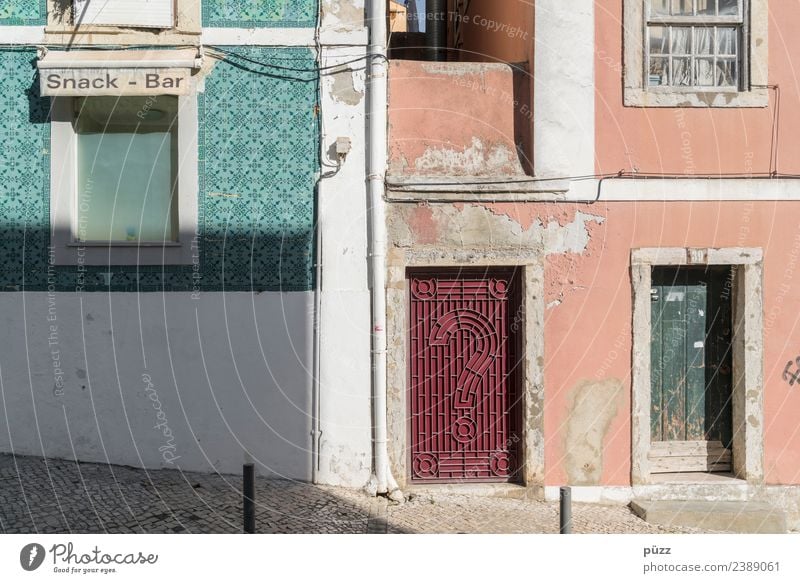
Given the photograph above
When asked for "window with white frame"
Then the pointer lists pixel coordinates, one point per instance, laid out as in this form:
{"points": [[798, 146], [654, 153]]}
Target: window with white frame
{"points": [[696, 44], [127, 169], [124, 180]]}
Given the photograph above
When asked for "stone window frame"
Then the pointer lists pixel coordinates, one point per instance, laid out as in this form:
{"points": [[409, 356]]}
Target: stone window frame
{"points": [[747, 344], [63, 197], [755, 62]]}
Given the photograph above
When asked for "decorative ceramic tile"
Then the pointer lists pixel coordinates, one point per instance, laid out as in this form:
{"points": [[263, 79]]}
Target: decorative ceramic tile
{"points": [[258, 144], [260, 13], [23, 12]]}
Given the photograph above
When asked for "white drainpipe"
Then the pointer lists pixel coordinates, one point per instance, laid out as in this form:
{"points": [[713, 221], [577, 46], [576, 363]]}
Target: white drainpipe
{"points": [[377, 115]]}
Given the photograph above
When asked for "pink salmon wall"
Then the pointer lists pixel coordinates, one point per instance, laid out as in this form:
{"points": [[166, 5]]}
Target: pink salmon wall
{"points": [[696, 140], [588, 323]]}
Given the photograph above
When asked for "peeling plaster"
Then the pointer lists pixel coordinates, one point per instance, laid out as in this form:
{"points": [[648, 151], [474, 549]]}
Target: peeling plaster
{"points": [[479, 159], [572, 237], [592, 407], [451, 69], [456, 226], [343, 14], [485, 226]]}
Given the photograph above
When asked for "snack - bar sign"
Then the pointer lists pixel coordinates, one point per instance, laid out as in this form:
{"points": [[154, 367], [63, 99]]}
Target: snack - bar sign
{"points": [[75, 82]]}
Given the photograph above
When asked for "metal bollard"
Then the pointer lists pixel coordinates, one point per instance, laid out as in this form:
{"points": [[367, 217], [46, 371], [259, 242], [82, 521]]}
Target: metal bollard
{"points": [[249, 502], [566, 510]]}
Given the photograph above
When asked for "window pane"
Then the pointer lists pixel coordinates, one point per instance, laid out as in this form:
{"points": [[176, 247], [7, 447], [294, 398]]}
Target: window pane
{"points": [[726, 40], [705, 72], [127, 168], [681, 72], [682, 7], [728, 7], [727, 73], [659, 72], [659, 7], [659, 40], [704, 40], [681, 40], [707, 7]]}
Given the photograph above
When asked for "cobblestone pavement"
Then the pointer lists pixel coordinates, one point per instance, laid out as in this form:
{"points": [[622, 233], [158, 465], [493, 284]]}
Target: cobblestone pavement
{"points": [[450, 513], [57, 496]]}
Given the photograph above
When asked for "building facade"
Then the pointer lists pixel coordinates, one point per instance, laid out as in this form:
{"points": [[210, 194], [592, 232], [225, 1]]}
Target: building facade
{"points": [[590, 260], [171, 183], [598, 199]]}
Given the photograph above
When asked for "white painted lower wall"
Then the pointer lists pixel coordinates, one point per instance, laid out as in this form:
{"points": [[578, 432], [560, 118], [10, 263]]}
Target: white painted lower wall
{"points": [[159, 380]]}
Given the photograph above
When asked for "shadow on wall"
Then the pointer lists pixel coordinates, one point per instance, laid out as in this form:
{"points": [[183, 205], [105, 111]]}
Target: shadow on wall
{"points": [[184, 379], [256, 223], [188, 379]]}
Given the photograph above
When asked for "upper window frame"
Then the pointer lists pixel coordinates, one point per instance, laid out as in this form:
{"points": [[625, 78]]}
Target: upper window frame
{"points": [[67, 249], [753, 62]]}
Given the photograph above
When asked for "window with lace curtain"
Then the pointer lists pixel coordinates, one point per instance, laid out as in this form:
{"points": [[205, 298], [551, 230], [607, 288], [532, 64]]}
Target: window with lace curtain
{"points": [[695, 43], [696, 53]]}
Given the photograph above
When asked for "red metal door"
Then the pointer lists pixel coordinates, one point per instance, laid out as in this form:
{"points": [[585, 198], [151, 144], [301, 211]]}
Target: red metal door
{"points": [[463, 381]]}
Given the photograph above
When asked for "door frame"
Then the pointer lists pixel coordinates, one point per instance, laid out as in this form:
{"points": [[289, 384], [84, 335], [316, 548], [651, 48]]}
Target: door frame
{"points": [[529, 325], [748, 352]]}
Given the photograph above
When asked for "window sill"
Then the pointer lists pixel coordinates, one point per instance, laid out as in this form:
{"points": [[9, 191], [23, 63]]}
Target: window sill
{"points": [[122, 244], [105, 254], [663, 97]]}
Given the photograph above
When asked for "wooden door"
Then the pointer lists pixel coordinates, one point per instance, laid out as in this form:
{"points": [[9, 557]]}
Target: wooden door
{"points": [[691, 366]]}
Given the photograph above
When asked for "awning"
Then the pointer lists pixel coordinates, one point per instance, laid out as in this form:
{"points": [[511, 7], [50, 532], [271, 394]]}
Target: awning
{"points": [[117, 72]]}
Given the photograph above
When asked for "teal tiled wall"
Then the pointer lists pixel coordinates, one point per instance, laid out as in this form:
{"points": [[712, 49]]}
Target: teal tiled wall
{"points": [[258, 165], [259, 13], [23, 12]]}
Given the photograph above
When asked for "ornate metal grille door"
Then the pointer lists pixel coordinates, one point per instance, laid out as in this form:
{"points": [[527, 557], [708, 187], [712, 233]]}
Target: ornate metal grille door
{"points": [[463, 381]]}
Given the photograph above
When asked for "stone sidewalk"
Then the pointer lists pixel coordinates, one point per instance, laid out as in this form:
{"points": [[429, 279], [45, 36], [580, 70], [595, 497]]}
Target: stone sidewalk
{"points": [[57, 496]]}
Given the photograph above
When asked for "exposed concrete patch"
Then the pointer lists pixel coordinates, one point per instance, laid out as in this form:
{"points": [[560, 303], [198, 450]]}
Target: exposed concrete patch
{"points": [[423, 225], [473, 224], [572, 237], [347, 86], [343, 13], [463, 226], [592, 407], [479, 159]]}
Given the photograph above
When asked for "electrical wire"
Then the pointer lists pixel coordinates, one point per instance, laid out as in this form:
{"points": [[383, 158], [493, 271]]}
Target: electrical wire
{"points": [[622, 174]]}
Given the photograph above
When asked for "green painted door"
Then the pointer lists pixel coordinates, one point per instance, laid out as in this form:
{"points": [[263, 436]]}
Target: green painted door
{"points": [[691, 364]]}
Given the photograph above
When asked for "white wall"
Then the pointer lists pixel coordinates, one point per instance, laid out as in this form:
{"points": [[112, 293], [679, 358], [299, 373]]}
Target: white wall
{"points": [[345, 368], [230, 372], [257, 349]]}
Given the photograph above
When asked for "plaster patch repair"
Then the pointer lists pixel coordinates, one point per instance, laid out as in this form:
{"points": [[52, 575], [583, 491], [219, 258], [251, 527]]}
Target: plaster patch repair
{"points": [[592, 406], [347, 86]]}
